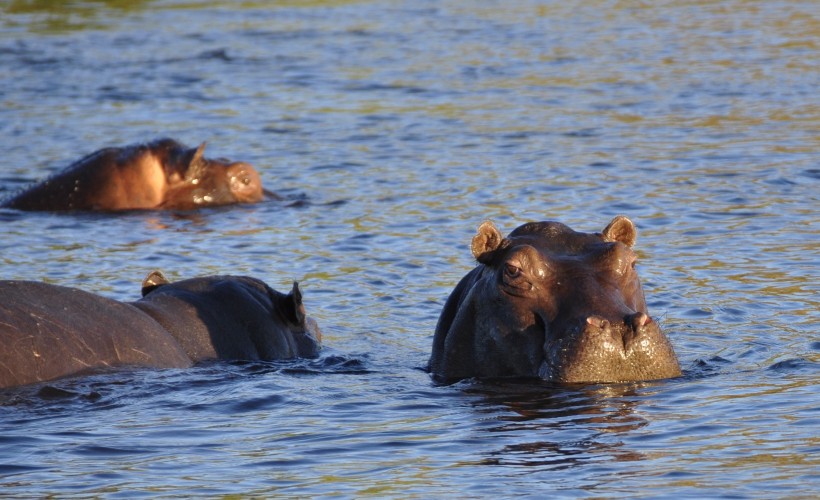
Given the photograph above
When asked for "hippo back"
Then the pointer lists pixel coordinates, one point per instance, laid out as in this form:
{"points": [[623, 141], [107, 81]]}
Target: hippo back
{"points": [[49, 331]]}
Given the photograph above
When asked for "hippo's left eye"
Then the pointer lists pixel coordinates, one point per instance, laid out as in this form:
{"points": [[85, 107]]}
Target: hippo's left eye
{"points": [[512, 271]]}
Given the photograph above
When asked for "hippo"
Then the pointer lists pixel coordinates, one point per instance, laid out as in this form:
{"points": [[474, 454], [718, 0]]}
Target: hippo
{"points": [[49, 331], [551, 303], [163, 174]]}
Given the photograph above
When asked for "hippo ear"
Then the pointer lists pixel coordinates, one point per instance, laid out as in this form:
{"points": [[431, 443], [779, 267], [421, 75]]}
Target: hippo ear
{"points": [[294, 309], [196, 163], [621, 229], [154, 280], [485, 242], [200, 150]]}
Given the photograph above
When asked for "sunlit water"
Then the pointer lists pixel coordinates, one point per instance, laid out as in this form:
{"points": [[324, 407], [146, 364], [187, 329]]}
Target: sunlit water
{"points": [[404, 125]]}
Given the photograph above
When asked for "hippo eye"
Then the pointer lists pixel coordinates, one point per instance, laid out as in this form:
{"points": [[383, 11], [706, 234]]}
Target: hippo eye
{"points": [[512, 271]]}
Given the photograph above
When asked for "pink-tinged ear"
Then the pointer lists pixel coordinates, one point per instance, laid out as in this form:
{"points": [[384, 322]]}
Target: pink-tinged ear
{"points": [[154, 280], [621, 229], [485, 242]]}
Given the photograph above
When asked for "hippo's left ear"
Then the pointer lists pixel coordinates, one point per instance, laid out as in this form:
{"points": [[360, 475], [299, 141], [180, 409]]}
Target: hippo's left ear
{"points": [[154, 280], [485, 242], [294, 309], [621, 229]]}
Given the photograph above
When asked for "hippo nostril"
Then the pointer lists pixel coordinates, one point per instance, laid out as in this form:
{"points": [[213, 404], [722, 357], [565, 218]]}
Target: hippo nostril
{"points": [[598, 322], [638, 320], [541, 323]]}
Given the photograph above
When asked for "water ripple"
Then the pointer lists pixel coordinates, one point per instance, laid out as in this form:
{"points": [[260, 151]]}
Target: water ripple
{"points": [[392, 131]]}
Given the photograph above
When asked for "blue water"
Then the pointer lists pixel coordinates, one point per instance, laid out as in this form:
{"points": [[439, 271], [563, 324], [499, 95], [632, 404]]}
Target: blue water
{"points": [[404, 125]]}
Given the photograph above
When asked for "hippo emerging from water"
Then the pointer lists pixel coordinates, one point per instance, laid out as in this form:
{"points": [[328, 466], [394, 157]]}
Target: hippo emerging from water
{"points": [[163, 174], [49, 331], [551, 303]]}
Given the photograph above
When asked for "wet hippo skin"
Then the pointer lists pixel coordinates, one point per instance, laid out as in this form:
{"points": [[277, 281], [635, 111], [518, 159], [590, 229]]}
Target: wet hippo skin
{"points": [[163, 174], [49, 331], [552, 303]]}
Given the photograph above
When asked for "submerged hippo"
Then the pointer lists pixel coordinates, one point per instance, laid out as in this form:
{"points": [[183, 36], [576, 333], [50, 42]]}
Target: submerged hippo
{"points": [[50, 331], [163, 174], [552, 303]]}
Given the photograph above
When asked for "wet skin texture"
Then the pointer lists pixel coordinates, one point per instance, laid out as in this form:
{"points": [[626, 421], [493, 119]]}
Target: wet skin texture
{"points": [[49, 331], [163, 174], [551, 303]]}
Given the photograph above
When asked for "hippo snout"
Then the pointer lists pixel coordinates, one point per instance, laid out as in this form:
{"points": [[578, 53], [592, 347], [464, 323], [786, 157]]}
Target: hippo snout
{"points": [[635, 321], [620, 336], [609, 350], [624, 332]]}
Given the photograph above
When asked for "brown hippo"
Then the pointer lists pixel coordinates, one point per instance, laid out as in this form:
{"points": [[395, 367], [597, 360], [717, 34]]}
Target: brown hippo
{"points": [[50, 331], [551, 303], [163, 174]]}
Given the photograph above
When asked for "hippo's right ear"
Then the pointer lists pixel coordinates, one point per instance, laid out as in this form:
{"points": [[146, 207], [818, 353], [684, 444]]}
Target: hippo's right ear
{"points": [[486, 242], [196, 164], [154, 280], [200, 150], [294, 309]]}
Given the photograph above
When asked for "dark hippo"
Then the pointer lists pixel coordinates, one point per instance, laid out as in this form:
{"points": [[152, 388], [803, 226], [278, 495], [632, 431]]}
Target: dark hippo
{"points": [[552, 303], [163, 174], [50, 331]]}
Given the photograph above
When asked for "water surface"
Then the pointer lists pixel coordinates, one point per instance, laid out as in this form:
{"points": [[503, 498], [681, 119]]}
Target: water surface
{"points": [[404, 125]]}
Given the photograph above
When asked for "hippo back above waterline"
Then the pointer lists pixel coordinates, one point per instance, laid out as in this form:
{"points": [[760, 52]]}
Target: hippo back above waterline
{"points": [[231, 317], [49, 331], [551, 303], [163, 174]]}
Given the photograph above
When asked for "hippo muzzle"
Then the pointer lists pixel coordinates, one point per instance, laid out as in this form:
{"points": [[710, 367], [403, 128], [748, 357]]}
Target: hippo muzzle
{"points": [[599, 350]]}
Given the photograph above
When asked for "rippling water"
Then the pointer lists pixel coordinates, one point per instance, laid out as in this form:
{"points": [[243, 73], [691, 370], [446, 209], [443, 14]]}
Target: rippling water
{"points": [[404, 125]]}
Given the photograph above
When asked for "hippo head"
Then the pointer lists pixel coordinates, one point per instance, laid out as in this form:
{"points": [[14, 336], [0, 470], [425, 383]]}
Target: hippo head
{"points": [[206, 182], [552, 303], [231, 317]]}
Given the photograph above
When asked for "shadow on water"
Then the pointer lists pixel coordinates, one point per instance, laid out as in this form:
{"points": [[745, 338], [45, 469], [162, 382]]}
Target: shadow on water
{"points": [[558, 427], [554, 427]]}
